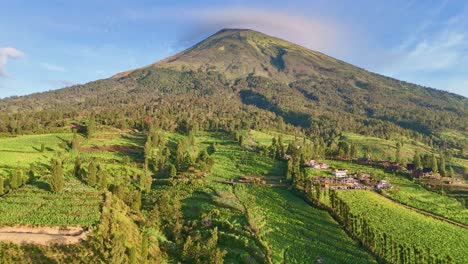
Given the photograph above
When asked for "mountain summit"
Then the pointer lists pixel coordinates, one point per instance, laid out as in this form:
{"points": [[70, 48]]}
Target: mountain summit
{"points": [[237, 53]]}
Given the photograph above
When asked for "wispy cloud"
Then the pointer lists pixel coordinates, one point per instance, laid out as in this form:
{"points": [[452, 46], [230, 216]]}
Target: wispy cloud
{"points": [[52, 67], [314, 32], [8, 53], [436, 55]]}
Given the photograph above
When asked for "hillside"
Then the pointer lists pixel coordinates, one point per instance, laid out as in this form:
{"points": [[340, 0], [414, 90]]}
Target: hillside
{"points": [[304, 88]]}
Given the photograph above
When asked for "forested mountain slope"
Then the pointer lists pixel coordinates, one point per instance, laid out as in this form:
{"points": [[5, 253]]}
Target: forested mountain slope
{"points": [[304, 88]]}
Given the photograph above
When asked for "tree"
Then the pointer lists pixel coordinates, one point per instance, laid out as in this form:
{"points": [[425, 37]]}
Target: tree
{"points": [[75, 142], [434, 164], [57, 181], [92, 171], [398, 153], [172, 171], [442, 168], [77, 170], [241, 140], [2, 187], [451, 173], [91, 128], [417, 161], [144, 248], [15, 180], [102, 179]]}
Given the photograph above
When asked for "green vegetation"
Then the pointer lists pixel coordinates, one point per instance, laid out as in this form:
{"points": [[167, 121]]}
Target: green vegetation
{"points": [[414, 233], [201, 159], [413, 194], [35, 205]]}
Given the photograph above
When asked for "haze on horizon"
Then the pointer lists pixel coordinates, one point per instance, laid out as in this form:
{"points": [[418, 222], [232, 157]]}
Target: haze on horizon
{"points": [[49, 46]]}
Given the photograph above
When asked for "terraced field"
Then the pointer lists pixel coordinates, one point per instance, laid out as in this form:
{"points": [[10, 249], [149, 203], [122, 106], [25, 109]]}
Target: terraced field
{"points": [[36, 205]]}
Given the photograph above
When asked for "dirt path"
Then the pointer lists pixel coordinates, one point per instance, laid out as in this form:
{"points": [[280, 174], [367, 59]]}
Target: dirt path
{"points": [[42, 235], [426, 212]]}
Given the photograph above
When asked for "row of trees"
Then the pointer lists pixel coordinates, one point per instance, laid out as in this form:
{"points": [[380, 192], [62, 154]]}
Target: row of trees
{"points": [[431, 161], [382, 244]]}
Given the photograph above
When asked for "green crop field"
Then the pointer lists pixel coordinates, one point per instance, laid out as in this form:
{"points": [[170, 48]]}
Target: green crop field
{"points": [[23, 150], [413, 194], [232, 161], [407, 226], [300, 233], [35, 205], [385, 148]]}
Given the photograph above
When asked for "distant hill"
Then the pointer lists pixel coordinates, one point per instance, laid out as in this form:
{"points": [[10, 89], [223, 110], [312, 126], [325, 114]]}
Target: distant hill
{"points": [[250, 73]]}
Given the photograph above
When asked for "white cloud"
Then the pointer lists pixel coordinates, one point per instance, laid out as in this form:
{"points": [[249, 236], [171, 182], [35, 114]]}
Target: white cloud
{"points": [[5, 54], [52, 67], [441, 51], [313, 32]]}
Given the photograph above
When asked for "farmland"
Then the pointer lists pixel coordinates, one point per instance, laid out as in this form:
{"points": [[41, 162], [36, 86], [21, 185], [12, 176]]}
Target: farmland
{"points": [[36, 205], [406, 226]]}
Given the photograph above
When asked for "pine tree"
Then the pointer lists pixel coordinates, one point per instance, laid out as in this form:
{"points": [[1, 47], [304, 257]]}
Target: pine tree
{"points": [[434, 167], [144, 248], [15, 180], [172, 171], [75, 142], [102, 179], [442, 167], [417, 161], [91, 128], [451, 173], [398, 153], [92, 171], [57, 181], [77, 168], [2, 187]]}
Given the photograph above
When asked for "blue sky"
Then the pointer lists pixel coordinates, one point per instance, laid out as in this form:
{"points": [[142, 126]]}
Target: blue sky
{"points": [[47, 45]]}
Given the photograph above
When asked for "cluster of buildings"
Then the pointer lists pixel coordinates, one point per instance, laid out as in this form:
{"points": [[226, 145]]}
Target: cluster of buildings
{"points": [[317, 165], [342, 181]]}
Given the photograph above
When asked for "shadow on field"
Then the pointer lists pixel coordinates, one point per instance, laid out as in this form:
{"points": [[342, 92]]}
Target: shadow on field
{"points": [[41, 185], [35, 253]]}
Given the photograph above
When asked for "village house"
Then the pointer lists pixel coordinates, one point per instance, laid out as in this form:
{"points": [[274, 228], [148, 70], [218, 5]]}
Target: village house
{"points": [[324, 166], [310, 163], [382, 184], [340, 173], [410, 167], [364, 161]]}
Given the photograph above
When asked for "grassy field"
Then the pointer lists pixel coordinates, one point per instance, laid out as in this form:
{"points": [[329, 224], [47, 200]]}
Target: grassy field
{"points": [[386, 148], [408, 226], [36, 205]]}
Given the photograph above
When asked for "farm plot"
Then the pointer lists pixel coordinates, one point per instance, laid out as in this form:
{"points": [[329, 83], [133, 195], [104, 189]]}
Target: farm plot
{"points": [[413, 194], [23, 150], [35, 205], [408, 227]]}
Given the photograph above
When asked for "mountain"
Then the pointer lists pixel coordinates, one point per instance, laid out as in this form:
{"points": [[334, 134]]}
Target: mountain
{"points": [[263, 80], [238, 53]]}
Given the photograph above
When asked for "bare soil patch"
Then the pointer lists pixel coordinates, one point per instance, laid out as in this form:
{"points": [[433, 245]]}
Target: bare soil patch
{"points": [[42, 235]]}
